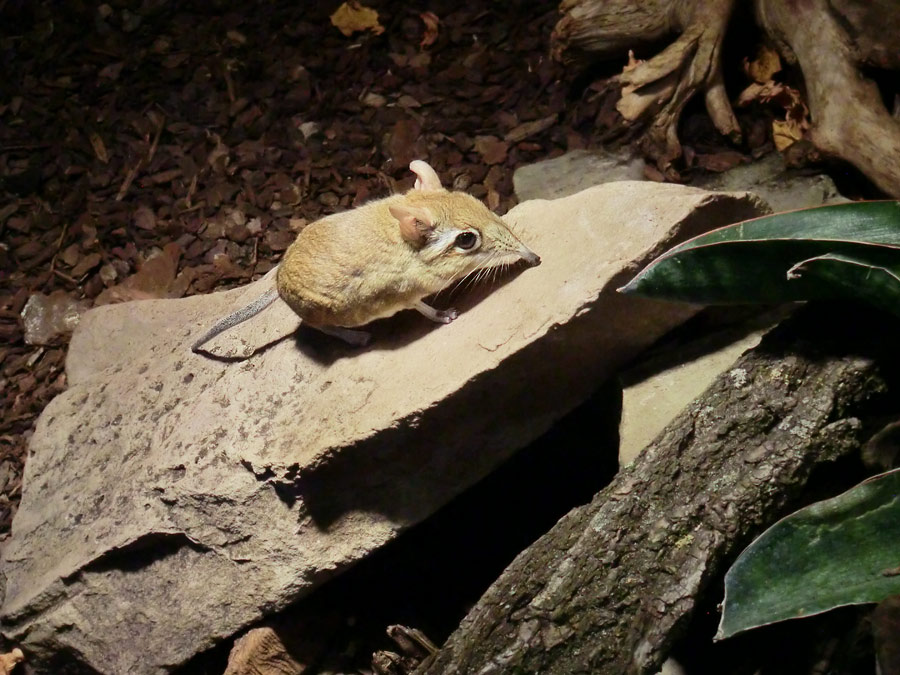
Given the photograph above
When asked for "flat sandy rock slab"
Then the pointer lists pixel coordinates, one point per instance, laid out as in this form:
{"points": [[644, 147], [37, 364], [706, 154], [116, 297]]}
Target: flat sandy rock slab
{"points": [[172, 498]]}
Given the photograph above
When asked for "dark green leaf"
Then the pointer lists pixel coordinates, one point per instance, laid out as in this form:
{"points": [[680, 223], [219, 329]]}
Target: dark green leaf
{"points": [[842, 551], [749, 261], [846, 276]]}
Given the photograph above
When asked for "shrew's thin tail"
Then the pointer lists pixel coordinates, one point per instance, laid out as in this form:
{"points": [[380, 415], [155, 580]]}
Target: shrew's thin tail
{"points": [[240, 316]]}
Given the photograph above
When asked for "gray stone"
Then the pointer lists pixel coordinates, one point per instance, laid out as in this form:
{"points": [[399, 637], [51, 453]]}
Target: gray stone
{"points": [[784, 189], [171, 499], [47, 318], [575, 171]]}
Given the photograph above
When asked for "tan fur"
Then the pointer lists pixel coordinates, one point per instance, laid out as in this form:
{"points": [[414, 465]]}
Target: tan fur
{"points": [[351, 268]]}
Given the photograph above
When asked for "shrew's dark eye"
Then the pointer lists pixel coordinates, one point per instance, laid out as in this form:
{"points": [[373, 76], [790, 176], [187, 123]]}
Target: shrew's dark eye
{"points": [[466, 240]]}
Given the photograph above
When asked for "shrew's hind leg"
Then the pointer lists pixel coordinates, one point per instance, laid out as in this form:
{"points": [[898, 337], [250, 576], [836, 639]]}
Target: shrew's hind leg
{"points": [[357, 338]]}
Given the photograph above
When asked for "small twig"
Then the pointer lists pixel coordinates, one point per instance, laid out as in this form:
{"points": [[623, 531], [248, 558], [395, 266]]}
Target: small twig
{"points": [[132, 173], [229, 83], [192, 188], [59, 243], [191, 209], [65, 277], [24, 146], [255, 250], [159, 128], [129, 178]]}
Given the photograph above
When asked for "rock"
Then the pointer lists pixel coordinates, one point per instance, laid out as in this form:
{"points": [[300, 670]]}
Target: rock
{"points": [[575, 171], [171, 498], [49, 318], [784, 189]]}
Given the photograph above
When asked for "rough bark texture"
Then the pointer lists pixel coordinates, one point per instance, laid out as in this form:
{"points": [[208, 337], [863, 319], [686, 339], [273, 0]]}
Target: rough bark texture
{"points": [[611, 586], [608, 27], [829, 39]]}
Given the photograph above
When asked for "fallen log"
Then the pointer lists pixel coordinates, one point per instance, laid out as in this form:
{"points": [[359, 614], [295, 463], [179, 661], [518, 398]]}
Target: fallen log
{"points": [[613, 585]]}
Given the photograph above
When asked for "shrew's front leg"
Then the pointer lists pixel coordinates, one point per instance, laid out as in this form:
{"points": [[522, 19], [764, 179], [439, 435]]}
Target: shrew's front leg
{"points": [[436, 315]]}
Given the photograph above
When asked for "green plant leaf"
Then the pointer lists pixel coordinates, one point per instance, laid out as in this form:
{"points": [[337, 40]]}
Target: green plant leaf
{"points": [[874, 283], [749, 261], [841, 551]]}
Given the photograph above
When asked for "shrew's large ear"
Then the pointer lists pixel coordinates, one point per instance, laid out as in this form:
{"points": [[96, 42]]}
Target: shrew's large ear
{"points": [[426, 177], [416, 224]]}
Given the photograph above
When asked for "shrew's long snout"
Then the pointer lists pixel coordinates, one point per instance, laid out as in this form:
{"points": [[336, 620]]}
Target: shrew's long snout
{"points": [[529, 256]]}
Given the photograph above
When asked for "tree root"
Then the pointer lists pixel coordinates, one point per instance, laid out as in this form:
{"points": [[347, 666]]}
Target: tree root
{"points": [[849, 120], [661, 86]]}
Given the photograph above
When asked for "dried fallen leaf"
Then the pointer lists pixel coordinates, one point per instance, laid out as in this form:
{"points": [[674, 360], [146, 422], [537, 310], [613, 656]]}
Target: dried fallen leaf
{"points": [[491, 149], [493, 199], [112, 71], [720, 161], [236, 36], [351, 17], [796, 123], [154, 279], [174, 60], [279, 240], [144, 218], [163, 177], [785, 133], [86, 264], [261, 650], [420, 60], [761, 92], [70, 255], [373, 100], [431, 21], [764, 66], [407, 101], [99, 147], [404, 142], [526, 129], [218, 156]]}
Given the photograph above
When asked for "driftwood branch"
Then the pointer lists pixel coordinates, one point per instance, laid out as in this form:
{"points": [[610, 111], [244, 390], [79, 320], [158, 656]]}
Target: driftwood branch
{"points": [[830, 40], [612, 586], [855, 125], [655, 91]]}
